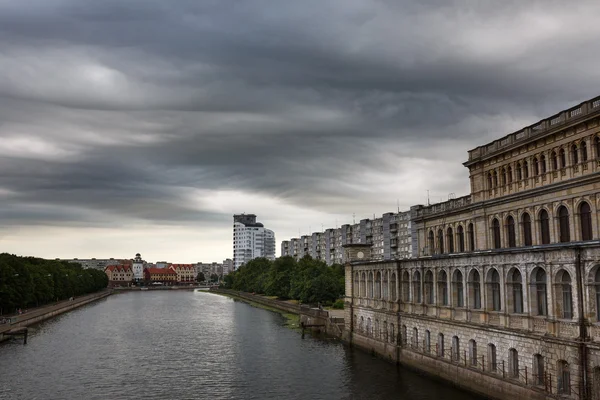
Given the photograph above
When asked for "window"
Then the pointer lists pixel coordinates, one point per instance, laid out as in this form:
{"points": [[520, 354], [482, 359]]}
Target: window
{"points": [[554, 161], [428, 284], [509, 175], [495, 179], [370, 286], [417, 287], [526, 219], [392, 334], [430, 242], [458, 292], [536, 167], [471, 233], [510, 231], [450, 240], [378, 285], [545, 227], [461, 238], [538, 369], [563, 224], [563, 378], [492, 364], [394, 296], [427, 345], [597, 287], [363, 285], [513, 363], [405, 287], [443, 287], [385, 331], [440, 345], [540, 290], [473, 353], [584, 153], [503, 176], [415, 338], [455, 349], [585, 219], [516, 284], [565, 295], [404, 334], [376, 333], [525, 170], [563, 158], [543, 164], [575, 154], [490, 181], [361, 325], [356, 285], [519, 172], [494, 286], [496, 233], [440, 236], [475, 285]]}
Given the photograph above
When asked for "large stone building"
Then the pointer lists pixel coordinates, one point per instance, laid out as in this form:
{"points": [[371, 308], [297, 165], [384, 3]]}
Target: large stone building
{"points": [[390, 236], [251, 240], [119, 275], [504, 294]]}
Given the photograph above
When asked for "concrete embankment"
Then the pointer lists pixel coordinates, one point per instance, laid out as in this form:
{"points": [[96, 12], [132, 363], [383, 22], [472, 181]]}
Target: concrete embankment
{"points": [[314, 318], [40, 314]]}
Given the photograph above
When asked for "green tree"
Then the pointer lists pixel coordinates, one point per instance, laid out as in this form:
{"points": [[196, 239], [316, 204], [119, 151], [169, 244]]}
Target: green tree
{"points": [[214, 278], [200, 277]]}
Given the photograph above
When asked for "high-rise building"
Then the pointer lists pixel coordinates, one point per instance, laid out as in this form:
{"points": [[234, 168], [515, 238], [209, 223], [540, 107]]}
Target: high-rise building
{"points": [[251, 240]]}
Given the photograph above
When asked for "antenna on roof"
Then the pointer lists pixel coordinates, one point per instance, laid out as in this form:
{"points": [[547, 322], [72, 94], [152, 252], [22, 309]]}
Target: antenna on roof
{"points": [[428, 203], [398, 205], [353, 218]]}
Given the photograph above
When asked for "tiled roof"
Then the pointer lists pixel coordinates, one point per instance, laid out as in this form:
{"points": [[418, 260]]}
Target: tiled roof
{"points": [[159, 271], [118, 268]]}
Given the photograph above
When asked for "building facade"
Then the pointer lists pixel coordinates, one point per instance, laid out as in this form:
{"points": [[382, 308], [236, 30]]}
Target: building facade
{"points": [[165, 276], [186, 273], [503, 296], [119, 275], [251, 240]]}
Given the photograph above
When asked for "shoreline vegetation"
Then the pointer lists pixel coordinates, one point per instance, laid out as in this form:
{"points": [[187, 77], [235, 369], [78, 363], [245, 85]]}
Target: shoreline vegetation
{"points": [[308, 281]]}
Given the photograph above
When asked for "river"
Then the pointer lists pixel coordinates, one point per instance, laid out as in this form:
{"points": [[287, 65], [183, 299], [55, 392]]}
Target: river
{"points": [[194, 345]]}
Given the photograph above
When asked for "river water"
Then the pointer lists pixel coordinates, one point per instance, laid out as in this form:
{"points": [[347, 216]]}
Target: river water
{"points": [[194, 345]]}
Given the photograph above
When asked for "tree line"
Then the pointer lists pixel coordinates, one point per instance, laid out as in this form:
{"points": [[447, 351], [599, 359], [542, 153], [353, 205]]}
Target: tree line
{"points": [[30, 282], [307, 280]]}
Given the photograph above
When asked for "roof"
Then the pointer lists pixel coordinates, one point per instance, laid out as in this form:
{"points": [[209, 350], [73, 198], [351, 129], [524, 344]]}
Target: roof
{"points": [[112, 268], [159, 271], [184, 266]]}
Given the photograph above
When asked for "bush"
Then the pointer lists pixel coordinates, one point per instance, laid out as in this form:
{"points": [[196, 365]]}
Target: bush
{"points": [[338, 305]]}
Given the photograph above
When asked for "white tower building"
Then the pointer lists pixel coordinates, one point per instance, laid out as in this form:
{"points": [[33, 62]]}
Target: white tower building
{"points": [[251, 240], [138, 268]]}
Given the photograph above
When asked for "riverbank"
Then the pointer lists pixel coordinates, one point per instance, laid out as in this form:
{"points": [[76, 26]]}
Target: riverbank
{"points": [[39, 314], [313, 318]]}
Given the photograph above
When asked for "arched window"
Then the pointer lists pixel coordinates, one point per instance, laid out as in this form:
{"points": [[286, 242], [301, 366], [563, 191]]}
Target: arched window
{"points": [[584, 153], [428, 285], [443, 287], [356, 285], [563, 224], [503, 176], [519, 172], [597, 287], [509, 177], [475, 290], [541, 295], [585, 219], [378, 285], [450, 240], [554, 161], [575, 154], [457, 289], [440, 238], [455, 349], [564, 295], [385, 331], [404, 335], [525, 170], [538, 369], [563, 378], [536, 167], [473, 353], [415, 338], [376, 331], [417, 287], [513, 363], [385, 286], [361, 326], [510, 231], [471, 234], [363, 285], [526, 229], [461, 238], [494, 291], [440, 345], [516, 284], [405, 287], [370, 286], [597, 145], [427, 344], [431, 243], [492, 364], [392, 334], [394, 296], [563, 158], [490, 181], [543, 164], [495, 175], [369, 328], [545, 227], [496, 233]]}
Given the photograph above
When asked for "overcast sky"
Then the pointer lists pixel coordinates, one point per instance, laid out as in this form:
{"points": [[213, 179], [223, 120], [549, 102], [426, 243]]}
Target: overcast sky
{"points": [[143, 126]]}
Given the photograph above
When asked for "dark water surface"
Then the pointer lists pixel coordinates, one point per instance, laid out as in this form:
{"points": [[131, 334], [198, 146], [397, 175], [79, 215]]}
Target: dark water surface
{"points": [[194, 345]]}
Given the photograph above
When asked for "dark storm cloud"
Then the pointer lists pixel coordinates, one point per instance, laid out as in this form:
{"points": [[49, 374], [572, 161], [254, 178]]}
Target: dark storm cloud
{"points": [[128, 109]]}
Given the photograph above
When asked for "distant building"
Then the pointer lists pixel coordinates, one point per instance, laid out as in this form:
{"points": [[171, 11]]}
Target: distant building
{"points": [[251, 240], [138, 268], [96, 263], [165, 276], [227, 266], [162, 264], [119, 275], [185, 272]]}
